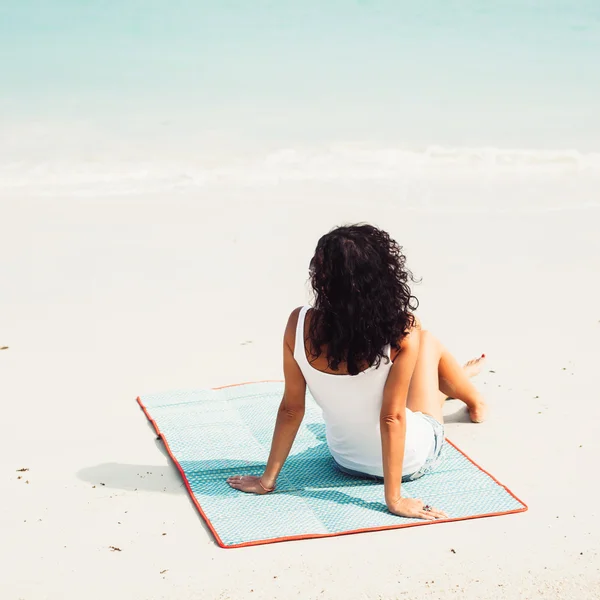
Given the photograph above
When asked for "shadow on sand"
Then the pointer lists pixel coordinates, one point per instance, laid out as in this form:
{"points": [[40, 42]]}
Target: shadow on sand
{"points": [[297, 478]]}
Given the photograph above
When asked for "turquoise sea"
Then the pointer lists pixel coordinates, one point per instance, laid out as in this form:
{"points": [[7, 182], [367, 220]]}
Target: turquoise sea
{"points": [[127, 95]]}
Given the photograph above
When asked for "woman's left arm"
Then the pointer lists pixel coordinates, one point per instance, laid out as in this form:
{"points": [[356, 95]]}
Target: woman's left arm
{"points": [[289, 417]]}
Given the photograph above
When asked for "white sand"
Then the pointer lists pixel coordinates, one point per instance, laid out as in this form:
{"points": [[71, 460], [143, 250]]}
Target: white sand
{"points": [[102, 300]]}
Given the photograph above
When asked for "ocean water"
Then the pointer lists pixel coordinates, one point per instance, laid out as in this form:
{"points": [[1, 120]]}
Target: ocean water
{"points": [[132, 96]]}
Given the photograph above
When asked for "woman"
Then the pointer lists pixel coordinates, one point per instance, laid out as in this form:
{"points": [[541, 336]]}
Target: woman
{"points": [[378, 377]]}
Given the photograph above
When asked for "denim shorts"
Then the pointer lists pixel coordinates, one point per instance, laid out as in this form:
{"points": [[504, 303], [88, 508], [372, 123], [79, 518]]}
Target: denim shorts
{"points": [[430, 465]]}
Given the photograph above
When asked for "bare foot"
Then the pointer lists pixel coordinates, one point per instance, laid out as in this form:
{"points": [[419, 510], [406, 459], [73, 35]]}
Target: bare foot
{"points": [[477, 407], [478, 412], [473, 367]]}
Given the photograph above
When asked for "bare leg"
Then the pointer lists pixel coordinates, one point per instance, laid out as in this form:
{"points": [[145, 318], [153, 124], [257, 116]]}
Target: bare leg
{"points": [[423, 393], [455, 382], [471, 368], [436, 365]]}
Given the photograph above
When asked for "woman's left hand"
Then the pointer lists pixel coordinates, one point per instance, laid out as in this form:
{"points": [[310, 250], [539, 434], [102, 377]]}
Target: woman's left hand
{"points": [[249, 484]]}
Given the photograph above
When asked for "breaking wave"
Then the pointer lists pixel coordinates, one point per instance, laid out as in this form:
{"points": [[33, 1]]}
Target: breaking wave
{"points": [[109, 174]]}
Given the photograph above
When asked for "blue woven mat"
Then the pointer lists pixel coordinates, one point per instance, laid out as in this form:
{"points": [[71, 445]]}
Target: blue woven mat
{"points": [[212, 434]]}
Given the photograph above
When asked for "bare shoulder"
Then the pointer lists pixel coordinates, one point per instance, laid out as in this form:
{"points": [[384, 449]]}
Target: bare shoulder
{"points": [[293, 319], [290, 328], [410, 338]]}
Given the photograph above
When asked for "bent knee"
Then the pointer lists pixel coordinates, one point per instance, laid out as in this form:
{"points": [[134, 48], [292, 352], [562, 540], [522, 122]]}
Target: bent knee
{"points": [[427, 339]]}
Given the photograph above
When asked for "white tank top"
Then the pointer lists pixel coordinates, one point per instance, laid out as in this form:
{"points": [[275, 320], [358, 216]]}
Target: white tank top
{"points": [[351, 406]]}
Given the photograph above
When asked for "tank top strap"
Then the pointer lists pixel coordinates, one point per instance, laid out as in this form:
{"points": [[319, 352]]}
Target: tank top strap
{"points": [[388, 351], [299, 350]]}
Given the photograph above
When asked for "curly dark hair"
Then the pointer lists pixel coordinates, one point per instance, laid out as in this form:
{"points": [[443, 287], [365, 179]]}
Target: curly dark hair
{"points": [[362, 297]]}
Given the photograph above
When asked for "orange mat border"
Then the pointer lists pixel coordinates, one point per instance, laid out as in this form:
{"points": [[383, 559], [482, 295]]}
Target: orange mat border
{"points": [[318, 535]]}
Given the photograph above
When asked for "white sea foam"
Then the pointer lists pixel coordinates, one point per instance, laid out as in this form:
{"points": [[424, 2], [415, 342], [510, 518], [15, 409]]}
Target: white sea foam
{"points": [[108, 173]]}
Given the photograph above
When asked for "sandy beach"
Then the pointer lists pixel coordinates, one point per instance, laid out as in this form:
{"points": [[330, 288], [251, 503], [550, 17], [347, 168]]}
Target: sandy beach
{"points": [[107, 298], [166, 170]]}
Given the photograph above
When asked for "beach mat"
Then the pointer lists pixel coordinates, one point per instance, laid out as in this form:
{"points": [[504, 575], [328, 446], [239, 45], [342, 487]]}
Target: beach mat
{"points": [[212, 434]]}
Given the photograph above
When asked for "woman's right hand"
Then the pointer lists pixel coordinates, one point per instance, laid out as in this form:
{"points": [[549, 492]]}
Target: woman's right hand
{"points": [[412, 508]]}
